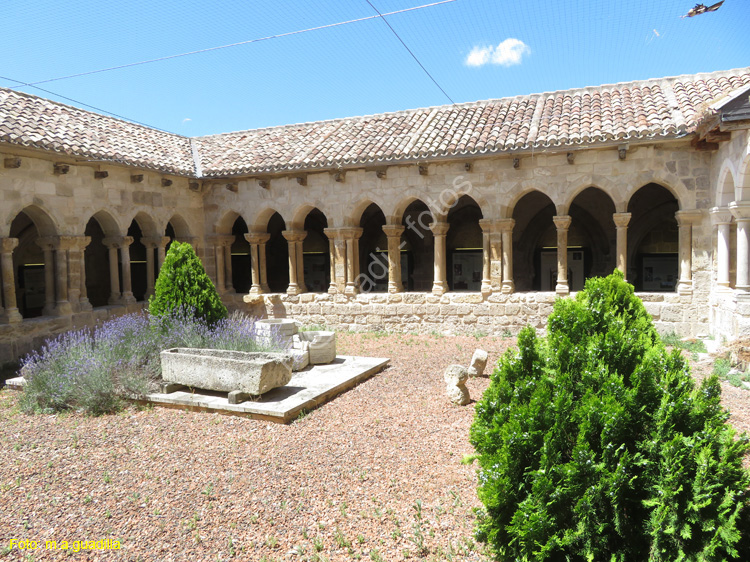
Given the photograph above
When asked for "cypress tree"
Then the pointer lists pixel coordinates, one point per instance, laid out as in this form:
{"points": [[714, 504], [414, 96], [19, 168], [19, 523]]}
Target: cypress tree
{"points": [[184, 285], [595, 444]]}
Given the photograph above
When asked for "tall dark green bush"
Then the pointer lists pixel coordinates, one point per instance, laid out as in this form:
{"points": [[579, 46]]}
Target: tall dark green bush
{"points": [[595, 444], [184, 284]]}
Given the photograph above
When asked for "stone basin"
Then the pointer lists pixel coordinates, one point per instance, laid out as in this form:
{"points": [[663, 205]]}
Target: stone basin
{"points": [[226, 371]]}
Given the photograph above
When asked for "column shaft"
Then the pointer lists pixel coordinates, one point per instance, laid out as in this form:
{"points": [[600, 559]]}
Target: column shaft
{"points": [[127, 279], [621, 223], [562, 223], [393, 233], [7, 245], [439, 282], [507, 229]]}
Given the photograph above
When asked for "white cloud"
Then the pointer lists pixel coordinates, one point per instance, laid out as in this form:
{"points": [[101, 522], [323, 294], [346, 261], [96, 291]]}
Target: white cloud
{"points": [[507, 53], [186, 119]]}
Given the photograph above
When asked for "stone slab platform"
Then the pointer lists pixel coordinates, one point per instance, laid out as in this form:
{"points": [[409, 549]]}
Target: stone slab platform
{"points": [[307, 390]]}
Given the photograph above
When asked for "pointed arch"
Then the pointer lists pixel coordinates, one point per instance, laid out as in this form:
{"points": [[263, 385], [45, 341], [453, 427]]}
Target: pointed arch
{"points": [[533, 235]]}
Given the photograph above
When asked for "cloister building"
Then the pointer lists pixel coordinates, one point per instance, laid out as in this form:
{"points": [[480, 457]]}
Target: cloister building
{"points": [[463, 218]]}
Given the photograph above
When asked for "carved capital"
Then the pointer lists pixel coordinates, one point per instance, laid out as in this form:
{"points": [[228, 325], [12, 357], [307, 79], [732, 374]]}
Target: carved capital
{"points": [[621, 219], [393, 230], [439, 228], [562, 222], [689, 217], [7, 245], [257, 238]]}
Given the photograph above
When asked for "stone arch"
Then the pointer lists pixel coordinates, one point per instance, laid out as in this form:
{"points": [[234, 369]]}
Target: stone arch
{"points": [[301, 213], [592, 236], [101, 225], [316, 255], [670, 182], [464, 246], [614, 191], [532, 214], [373, 249], [653, 239], [33, 261], [449, 198], [225, 223], [142, 226], [726, 188], [277, 251], [258, 224], [180, 228], [417, 244]]}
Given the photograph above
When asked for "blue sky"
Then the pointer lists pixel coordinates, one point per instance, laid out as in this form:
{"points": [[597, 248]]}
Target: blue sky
{"points": [[474, 49]]}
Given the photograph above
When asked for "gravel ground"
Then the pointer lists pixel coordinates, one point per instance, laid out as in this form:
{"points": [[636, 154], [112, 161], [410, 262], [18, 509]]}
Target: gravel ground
{"points": [[376, 474]]}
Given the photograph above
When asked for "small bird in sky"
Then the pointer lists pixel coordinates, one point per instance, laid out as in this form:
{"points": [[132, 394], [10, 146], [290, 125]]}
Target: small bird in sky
{"points": [[702, 9]]}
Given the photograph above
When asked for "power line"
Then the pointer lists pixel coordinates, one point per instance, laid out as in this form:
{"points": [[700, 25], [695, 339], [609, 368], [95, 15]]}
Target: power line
{"points": [[382, 16], [77, 102], [278, 36]]}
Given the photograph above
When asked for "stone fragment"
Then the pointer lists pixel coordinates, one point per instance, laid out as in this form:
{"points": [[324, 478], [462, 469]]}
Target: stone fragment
{"points": [[322, 346], [276, 332], [478, 363], [300, 353], [455, 375], [458, 395]]}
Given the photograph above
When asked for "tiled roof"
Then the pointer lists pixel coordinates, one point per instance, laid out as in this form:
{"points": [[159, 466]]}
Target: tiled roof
{"points": [[658, 108], [35, 122], [649, 109]]}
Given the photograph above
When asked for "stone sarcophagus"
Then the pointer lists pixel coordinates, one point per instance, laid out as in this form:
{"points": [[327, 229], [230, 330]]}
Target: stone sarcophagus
{"points": [[236, 372]]}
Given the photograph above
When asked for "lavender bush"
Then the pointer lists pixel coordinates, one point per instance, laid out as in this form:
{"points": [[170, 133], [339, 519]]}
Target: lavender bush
{"points": [[95, 370]]}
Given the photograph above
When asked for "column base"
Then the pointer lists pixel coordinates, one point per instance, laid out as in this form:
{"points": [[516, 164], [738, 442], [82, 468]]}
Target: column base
{"points": [[12, 316], [84, 305], [292, 289], [350, 289], [63, 308], [562, 290], [333, 289], [439, 288], [508, 287], [256, 290], [114, 299], [395, 288], [128, 298], [486, 288]]}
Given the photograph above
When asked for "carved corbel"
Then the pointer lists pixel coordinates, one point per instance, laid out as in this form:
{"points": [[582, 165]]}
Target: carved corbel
{"points": [[136, 178], [516, 163], [166, 182], [12, 163], [100, 175], [60, 168], [302, 180]]}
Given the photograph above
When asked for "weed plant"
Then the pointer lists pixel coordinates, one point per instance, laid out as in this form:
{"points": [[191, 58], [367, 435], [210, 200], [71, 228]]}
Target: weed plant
{"points": [[96, 370]]}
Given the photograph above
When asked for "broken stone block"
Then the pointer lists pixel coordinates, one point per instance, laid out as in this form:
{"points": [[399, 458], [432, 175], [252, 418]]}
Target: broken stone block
{"points": [[300, 354], [455, 375], [478, 363], [322, 346], [458, 395], [277, 332]]}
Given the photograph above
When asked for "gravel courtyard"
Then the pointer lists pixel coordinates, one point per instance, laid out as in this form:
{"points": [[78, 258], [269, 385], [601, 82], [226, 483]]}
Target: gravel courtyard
{"points": [[376, 474]]}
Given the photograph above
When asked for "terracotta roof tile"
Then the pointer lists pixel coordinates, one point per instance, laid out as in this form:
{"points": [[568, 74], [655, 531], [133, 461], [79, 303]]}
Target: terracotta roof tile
{"points": [[657, 108]]}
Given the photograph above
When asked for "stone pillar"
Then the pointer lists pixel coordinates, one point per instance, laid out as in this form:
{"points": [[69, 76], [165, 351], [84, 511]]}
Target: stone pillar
{"points": [[506, 227], [293, 237], [439, 282], [219, 257], [299, 244], [393, 232], [151, 244], [356, 234], [228, 282], [47, 246], [486, 226], [332, 262], [77, 273], [741, 213], [562, 223], [257, 240], [263, 268], [722, 218], [161, 251], [127, 281], [11, 314], [113, 244], [351, 273], [621, 223], [685, 222], [83, 298]]}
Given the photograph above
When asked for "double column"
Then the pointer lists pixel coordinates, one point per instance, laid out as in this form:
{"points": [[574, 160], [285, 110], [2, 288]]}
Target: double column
{"points": [[296, 265], [497, 256], [119, 245], [9, 309], [223, 255], [344, 250], [741, 213], [393, 233], [257, 241], [155, 250], [722, 219], [685, 222]]}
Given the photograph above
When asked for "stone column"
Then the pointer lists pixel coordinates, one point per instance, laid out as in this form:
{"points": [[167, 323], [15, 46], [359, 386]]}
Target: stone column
{"points": [[228, 282], [83, 298], [562, 223], [256, 241], [292, 237], [722, 218], [220, 271], [741, 213], [47, 246], [263, 268], [301, 263], [7, 245], [161, 251], [60, 281], [439, 282], [332, 263], [621, 223], [151, 244], [685, 222], [127, 280], [393, 232], [351, 271], [113, 244], [486, 226], [506, 227], [337, 246]]}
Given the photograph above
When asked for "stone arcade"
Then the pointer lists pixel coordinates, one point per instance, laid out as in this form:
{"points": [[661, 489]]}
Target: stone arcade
{"points": [[467, 218]]}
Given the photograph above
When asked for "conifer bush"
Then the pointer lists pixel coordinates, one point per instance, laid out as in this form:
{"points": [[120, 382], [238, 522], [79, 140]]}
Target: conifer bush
{"points": [[595, 444], [184, 285]]}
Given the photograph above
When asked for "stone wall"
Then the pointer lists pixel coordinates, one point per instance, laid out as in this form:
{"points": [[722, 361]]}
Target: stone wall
{"points": [[456, 313]]}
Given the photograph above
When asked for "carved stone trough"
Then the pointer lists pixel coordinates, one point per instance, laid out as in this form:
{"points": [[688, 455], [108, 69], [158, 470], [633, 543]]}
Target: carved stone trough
{"points": [[239, 373]]}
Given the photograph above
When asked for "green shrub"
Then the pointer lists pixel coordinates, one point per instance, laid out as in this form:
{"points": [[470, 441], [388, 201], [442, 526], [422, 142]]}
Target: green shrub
{"points": [[184, 285], [594, 444]]}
